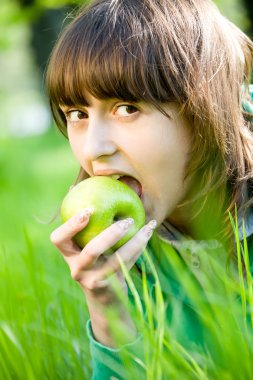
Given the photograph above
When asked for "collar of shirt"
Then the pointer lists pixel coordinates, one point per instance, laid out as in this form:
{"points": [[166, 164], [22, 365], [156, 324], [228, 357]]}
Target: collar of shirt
{"points": [[196, 253]]}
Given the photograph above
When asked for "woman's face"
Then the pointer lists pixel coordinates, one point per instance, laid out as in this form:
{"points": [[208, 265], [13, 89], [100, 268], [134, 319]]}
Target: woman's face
{"points": [[117, 137]]}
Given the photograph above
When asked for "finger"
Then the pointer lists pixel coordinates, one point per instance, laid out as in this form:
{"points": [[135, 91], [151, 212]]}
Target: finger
{"points": [[119, 278], [102, 243], [61, 237], [129, 252]]}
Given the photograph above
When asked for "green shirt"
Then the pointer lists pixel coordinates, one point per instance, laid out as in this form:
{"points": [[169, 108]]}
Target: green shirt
{"points": [[193, 259]]}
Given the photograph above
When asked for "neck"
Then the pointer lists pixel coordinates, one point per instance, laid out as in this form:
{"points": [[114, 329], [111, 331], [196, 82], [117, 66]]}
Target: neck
{"points": [[201, 219]]}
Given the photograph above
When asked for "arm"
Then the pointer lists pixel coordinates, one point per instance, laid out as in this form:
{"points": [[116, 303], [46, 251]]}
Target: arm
{"points": [[107, 362], [93, 270]]}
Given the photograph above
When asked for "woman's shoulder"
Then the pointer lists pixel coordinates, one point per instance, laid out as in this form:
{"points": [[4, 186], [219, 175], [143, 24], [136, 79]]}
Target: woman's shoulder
{"points": [[247, 103]]}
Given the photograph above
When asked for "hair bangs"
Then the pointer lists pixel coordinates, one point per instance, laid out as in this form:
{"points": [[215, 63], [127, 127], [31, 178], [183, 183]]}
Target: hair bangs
{"points": [[108, 58]]}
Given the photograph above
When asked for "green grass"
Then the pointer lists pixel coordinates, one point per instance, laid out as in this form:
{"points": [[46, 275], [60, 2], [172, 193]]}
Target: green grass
{"points": [[224, 307], [43, 312]]}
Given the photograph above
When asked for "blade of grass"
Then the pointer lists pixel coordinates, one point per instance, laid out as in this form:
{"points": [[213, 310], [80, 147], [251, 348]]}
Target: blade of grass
{"points": [[248, 274], [24, 359], [239, 263]]}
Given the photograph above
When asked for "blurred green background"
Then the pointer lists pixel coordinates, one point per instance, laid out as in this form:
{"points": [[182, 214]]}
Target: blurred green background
{"points": [[39, 302]]}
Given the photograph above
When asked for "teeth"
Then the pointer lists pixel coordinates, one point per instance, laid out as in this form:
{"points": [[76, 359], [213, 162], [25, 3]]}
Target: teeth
{"points": [[116, 176]]}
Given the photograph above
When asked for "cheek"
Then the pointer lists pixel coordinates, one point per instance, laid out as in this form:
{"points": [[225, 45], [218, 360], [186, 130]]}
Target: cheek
{"points": [[76, 147], [165, 163], [177, 148]]}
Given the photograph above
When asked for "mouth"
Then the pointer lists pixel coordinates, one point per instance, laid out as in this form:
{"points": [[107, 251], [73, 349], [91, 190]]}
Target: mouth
{"points": [[129, 181]]}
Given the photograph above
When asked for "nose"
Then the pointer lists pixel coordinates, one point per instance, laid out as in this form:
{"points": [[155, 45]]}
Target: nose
{"points": [[99, 140]]}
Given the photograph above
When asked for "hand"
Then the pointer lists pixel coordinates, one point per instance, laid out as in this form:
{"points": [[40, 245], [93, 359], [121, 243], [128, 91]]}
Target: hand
{"points": [[90, 266]]}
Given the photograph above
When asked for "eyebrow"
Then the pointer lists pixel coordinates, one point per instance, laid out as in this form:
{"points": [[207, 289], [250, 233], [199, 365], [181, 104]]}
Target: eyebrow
{"points": [[65, 107], [88, 105]]}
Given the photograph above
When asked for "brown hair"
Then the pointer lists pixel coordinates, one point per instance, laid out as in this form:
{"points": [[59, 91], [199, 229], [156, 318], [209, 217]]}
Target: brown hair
{"points": [[161, 51]]}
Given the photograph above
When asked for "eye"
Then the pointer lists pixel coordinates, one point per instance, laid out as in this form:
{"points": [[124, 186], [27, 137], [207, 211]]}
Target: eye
{"points": [[76, 115], [126, 110]]}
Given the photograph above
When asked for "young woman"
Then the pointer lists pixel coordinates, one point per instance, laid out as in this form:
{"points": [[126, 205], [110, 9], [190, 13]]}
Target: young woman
{"points": [[155, 90]]}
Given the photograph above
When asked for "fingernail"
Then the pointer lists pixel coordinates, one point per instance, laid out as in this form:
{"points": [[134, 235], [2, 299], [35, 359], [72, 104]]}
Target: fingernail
{"points": [[149, 228], [85, 214], [88, 211], [100, 284], [152, 224], [126, 223]]}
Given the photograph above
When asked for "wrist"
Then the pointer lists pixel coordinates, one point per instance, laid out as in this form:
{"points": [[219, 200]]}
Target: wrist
{"points": [[110, 318], [113, 333]]}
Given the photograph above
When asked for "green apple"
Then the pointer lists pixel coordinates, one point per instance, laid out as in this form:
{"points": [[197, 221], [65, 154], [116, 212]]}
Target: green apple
{"points": [[111, 200]]}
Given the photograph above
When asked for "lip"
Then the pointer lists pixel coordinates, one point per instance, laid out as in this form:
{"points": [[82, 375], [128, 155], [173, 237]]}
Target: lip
{"points": [[108, 172]]}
